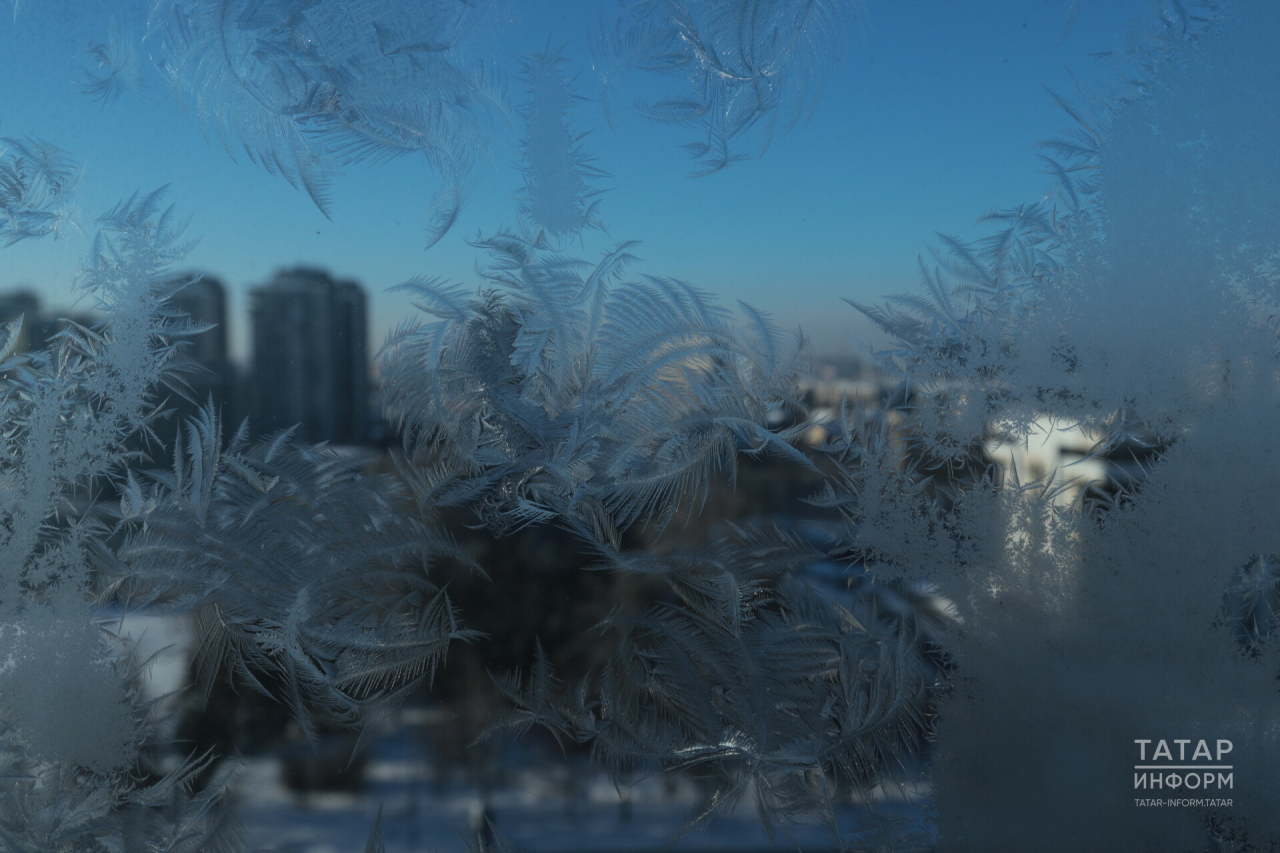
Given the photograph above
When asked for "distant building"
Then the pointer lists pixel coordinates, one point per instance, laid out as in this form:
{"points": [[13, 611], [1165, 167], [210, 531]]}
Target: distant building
{"points": [[38, 328], [310, 357], [23, 303], [204, 301]]}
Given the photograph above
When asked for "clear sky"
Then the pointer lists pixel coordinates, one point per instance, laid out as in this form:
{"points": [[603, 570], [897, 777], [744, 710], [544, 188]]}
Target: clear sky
{"points": [[927, 124]]}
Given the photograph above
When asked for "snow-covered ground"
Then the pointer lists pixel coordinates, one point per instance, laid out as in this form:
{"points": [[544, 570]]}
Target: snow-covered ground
{"points": [[541, 808], [535, 814]]}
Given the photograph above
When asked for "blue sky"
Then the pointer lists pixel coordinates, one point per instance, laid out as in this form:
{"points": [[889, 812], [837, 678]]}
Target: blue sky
{"points": [[927, 124]]}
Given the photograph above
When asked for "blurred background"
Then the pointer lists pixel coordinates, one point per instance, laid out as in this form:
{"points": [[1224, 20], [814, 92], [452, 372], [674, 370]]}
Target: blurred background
{"points": [[927, 123]]}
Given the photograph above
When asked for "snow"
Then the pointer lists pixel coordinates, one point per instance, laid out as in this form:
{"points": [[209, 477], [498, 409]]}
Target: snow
{"points": [[533, 813]]}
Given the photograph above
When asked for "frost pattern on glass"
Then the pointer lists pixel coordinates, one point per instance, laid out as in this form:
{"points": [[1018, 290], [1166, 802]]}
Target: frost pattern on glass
{"points": [[37, 189], [303, 573], [113, 67], [73, 716], [1135, 309], [557, 169], [567, 391], [1131, 312], [743, 70], [305, 87], [751, 679]]}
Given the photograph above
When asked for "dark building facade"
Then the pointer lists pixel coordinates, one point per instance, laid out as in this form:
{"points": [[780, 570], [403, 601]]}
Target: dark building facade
{"points": [[204, 301], [310, 357], [38, 328], [23, 303]]}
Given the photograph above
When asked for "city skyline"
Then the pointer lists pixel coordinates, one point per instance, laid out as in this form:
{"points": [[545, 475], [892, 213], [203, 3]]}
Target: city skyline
{"points": [[929, 122], [309, 369]]}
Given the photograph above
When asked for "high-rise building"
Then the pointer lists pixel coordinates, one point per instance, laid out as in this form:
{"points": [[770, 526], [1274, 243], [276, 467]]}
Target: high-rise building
{"points": [[204, 301], [33, 335], [310, 357], [38, 328]]}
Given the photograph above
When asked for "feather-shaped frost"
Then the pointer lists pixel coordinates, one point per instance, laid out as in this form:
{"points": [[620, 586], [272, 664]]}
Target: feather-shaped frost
{"points": [[114, 67], [744, 68], [1111, 308], [557, 170], [568, 391], [307, 86], [52, 811], [69, 410], [306, 573], [73, 715], [37, 186], [750, 679]]}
